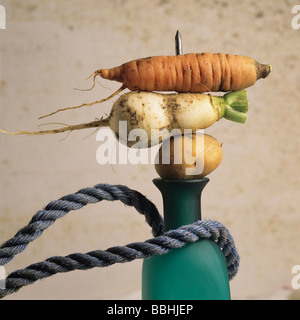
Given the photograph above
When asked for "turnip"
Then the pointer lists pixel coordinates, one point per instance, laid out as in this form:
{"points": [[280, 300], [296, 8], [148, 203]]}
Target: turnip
{"points": [[161, 113]]}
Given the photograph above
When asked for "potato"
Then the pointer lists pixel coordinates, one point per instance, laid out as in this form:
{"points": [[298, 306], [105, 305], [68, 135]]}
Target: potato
{"points": [[200, 153]]}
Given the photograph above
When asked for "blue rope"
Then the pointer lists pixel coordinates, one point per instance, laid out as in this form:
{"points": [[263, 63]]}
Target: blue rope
{"points": [[59, 208], [162, 242]]}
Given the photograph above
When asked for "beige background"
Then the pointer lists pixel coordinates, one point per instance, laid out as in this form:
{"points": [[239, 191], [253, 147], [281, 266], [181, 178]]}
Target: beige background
{"points": [[49, 46]]}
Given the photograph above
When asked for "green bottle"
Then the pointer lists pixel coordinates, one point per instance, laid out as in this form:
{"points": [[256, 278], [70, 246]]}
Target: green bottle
{"points": [[196, 271]]}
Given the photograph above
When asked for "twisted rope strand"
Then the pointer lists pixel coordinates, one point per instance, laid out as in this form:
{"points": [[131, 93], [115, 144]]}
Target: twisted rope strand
{"points": [[43, 219], [162, 242], [121, 254]]}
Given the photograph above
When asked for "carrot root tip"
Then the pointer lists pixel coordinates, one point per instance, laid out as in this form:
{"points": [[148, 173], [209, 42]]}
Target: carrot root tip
{"points": [[263, 70]]}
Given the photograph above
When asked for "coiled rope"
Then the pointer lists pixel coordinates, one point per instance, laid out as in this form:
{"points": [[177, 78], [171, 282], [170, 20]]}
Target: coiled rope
{"points": [[162, 242]]}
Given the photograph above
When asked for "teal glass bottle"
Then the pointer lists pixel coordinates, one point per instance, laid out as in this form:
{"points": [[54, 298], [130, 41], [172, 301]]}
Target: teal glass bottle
{"points": [[196, 271]]}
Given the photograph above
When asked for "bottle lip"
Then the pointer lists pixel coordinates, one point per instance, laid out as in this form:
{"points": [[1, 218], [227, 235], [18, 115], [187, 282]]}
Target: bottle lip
{"points": [[192, 185], [182, 181]]}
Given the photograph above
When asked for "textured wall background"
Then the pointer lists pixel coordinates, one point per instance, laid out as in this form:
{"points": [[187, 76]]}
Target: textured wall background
{"points": [[49, 46]]}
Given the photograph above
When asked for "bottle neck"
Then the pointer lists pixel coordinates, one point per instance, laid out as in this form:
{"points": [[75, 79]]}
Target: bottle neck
{"points": [[181, 200]]}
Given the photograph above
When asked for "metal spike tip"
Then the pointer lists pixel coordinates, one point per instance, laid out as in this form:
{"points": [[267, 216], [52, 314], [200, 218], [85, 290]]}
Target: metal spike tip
{"points": [[178, 43]]}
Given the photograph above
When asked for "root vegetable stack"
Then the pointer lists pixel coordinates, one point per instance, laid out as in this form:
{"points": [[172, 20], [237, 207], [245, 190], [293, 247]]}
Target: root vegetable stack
{"points": [[189, 75]]}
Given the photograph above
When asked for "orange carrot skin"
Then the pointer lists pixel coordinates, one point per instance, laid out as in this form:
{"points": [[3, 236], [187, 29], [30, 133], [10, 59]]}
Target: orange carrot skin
{"points": [[194, 72]]}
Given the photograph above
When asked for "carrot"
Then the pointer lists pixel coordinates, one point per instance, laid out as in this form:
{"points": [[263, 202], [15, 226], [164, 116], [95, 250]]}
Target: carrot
{"points": [[158, 114], [194, 72]]}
